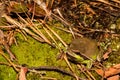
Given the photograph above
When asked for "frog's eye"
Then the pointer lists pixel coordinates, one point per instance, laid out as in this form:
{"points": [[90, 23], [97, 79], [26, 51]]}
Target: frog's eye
{"points": [[76, 51], [69, 44]]}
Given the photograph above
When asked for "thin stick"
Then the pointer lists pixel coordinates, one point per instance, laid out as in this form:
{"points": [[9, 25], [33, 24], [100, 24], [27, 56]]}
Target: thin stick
{"points": [[93, 78], [56, 35], [105, 2], [69, 31], [117, 1], [3, 63], [33, 12], [51, 68], [47, 31], [9, 61], [36, 30], [62, 19], [83, 72], [66, 60]]}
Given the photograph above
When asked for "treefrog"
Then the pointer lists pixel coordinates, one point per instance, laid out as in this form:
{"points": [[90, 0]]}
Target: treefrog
{"points": [[84, 51]]}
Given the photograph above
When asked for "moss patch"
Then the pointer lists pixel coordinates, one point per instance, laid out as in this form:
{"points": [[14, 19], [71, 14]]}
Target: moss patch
{"points": [[33, 53]]}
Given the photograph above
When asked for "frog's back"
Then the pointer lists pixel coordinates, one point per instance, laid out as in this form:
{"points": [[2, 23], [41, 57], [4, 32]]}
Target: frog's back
{"points": [[84, 46]]}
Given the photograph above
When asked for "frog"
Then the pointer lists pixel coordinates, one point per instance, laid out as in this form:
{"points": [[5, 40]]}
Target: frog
{"points": [[84, 51]]}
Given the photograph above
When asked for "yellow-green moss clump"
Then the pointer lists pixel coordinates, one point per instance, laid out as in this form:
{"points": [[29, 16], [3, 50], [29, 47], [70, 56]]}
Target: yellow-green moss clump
{"points": [[34, 53]]}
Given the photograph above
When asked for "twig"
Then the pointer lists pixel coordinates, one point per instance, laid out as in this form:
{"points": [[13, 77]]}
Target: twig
{"points": [[23, 27], [80, 67], [40, 68], [47, 31], [54, 33], [52, 68], [117, 1], [69, 31], [35, 29], [3, 63], [13, 65], [105, 2], [62, 19], [66, 60], [48, 78], [4, 43], [9, 27]]}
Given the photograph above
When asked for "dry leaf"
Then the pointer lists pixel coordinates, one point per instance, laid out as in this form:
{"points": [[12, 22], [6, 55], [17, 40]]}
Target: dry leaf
{"points": [[114, 70], [23, 72], [116, 77], [106, 55]]}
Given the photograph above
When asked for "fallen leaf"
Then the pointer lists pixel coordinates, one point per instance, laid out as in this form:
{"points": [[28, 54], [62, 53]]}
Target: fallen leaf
{"points": [[116, 77], [23, 72], [114, 70], [106, 54]]}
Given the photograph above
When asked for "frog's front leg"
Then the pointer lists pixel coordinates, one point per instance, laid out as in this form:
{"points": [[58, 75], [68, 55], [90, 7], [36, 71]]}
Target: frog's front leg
{"points": [[79, 60], [74, 57], [88, 63]]}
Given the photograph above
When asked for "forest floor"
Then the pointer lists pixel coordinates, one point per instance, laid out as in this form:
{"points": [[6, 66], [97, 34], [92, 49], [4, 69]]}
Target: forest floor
{"points": [[37, 39]]}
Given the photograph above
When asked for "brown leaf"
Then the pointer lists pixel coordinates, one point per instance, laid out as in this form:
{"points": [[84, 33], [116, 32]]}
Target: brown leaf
{"points": [[116, 77], [106, 54], [23, 72], [114, 70]]}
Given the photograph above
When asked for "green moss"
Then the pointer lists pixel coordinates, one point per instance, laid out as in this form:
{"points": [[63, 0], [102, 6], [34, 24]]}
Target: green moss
{"points": [[48, 76], [7, 73], [19, 8], [114, 56], [33, 53], [3, 21]]}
